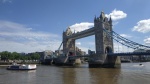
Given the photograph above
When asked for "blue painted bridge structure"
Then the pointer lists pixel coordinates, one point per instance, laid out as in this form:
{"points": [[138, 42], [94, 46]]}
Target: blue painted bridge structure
{"points": [[129, 54]]}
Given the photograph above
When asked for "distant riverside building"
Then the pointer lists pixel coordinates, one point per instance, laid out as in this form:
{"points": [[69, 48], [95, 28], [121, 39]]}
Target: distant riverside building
{"points": [[45, 54], [58, 52], [91, 52], [83, 53], [79, 51], [142, 57], [138, 57]]}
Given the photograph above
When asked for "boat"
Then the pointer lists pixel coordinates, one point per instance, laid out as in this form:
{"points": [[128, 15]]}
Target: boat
{"points": [[15, 66], [141, 65]]}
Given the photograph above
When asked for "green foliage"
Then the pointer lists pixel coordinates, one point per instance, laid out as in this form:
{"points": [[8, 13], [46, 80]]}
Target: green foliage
{"points": [[5, 55], [15, 56], [35, 56]]}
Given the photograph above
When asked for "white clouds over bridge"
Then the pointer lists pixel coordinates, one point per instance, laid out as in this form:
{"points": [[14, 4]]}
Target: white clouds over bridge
{"points": [[81, 26], [116, 15], [142, 26]]}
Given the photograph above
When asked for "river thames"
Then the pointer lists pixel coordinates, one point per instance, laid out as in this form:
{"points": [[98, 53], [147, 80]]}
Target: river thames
{"points": [[129, 73]]}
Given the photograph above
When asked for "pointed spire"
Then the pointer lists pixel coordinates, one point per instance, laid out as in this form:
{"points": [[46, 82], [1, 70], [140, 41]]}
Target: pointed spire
{"points": [[102, 16], [95, 19], [110, 20]]}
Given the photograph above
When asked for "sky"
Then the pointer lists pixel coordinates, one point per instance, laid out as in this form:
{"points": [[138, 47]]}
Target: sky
{"points": [[37, 25]]}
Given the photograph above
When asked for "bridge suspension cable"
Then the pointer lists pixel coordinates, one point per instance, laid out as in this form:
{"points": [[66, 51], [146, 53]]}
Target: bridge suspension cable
{"points": [[124, 41]]}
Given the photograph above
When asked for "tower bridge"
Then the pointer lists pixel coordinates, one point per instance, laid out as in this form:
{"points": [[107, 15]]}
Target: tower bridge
{"points": [[103, 43], [104, 36]]}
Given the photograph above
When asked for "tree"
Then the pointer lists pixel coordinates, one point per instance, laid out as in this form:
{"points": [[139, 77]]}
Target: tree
{"points": [[5, 55], [16, 56], [35, 56]]}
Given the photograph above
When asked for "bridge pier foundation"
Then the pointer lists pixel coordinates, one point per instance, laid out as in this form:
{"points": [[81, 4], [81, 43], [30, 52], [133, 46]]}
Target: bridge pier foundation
{"points": [[77, 61], [64, 60], [105, 61]]}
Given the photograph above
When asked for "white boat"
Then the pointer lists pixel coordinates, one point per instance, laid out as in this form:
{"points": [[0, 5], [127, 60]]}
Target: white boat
{"points": [[141, 65], [138, 65], [16, 66]]}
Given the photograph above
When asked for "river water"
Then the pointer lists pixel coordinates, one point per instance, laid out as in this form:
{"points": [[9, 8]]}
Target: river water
{"points": [[129, 73]]}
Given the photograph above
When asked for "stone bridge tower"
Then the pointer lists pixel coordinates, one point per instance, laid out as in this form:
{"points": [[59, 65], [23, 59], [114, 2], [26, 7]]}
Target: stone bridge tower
{"points": [[103, 42], [68, 44]]}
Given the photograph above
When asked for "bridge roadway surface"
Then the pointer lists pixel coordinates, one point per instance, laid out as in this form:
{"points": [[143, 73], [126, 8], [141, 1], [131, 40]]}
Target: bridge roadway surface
{"points": [[118, 54]]}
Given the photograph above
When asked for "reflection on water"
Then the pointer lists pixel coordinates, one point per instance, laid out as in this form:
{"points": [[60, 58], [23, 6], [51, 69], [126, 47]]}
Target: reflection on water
{"points": [[129, 73], [90, 76], [104, 76]]}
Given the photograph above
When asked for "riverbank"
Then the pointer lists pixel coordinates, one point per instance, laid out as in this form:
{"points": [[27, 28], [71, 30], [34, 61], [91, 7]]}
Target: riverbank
{"points": [[2, 63]]}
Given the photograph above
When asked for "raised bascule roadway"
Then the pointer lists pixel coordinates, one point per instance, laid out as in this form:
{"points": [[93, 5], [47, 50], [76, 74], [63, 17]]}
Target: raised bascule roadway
{"points": [[104, 36]]}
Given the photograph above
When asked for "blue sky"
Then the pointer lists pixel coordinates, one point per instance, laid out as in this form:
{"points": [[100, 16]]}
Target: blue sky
{"points": [[37, 25]]}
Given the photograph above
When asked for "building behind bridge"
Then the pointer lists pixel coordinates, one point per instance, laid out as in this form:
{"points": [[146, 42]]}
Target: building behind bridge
{"points": [[45, 55], [137, 58]]}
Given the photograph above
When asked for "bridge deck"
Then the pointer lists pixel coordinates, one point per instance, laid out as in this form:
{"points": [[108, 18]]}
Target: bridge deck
{"points": [[119, 54], [129, 53]]}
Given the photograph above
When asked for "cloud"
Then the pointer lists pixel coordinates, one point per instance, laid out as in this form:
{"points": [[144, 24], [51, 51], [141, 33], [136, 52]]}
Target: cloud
{"points": [[78, 43], [142, 26], [20, 38], [116, 15], [27, 47], [13, 30], [147, 41], [115, 23], [81, 26], [125, 35]]}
